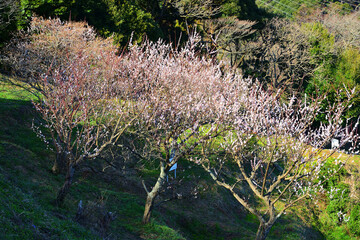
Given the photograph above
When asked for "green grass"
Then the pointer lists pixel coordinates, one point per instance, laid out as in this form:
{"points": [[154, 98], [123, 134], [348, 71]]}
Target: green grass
{"points": [[22, 217]]}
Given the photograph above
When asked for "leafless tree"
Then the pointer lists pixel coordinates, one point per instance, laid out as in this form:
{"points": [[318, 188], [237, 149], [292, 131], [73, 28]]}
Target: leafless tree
{"points": [[226, 35], [345, 28], [279, 56], [8, 12], [196, 9]]}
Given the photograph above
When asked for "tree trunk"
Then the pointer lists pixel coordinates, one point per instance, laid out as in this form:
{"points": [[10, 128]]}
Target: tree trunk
{"points": [[148, 207], [64, 190], [263, 230], [59, 163], [154, 193]]}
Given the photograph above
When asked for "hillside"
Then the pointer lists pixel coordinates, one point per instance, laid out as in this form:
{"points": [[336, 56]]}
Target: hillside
{"points": [[255, 104], [28, 190]]}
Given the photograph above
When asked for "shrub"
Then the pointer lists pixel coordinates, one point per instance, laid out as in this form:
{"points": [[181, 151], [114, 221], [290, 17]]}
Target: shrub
{"points": [[321, 42], [336, 66], [347, 73], [339, 197], [330, 175], [354, 222]]}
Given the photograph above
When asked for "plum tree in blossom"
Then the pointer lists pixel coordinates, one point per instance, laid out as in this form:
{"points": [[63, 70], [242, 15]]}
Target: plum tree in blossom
{"points": [[173, 86], [50, 44], [272, 150], [83, 112]]}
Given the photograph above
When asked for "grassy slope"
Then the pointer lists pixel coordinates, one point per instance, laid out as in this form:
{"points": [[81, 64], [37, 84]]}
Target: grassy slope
{"points": [[28, 188]]}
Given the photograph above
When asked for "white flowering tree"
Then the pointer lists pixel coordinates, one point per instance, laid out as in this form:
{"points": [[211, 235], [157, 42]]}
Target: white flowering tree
{"points": [[83, 112], [272, 156], [174, 87]]}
